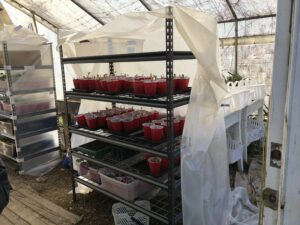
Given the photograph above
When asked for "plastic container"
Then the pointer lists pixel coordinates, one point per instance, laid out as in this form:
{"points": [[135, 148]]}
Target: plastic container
{"points": [[114, 86], [104, 85], [127, 191], [128, 125], [164, 163], [157, 122], [101, 120], [6, 106], [76, 163], [91, 121], [94, 149], [92, 84], [94, 175], [80, 119], [83, 169], [138, 87], [154, 164], [153, 115], [76, 83], [123, 214], [176, 127], [150, 88], [116, 125], [7, 147], [6, 127], [98, 85], [157, 133], [83, 84], [147, 130], [161, 88], [144, 118], [182, 83]]}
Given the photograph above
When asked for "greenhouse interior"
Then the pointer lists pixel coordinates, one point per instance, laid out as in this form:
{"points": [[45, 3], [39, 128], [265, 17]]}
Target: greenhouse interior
{"points": [[149, 112]]}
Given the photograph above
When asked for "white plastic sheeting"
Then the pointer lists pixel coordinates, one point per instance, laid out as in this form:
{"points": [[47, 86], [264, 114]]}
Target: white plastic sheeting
{"points": [[206, 194]]}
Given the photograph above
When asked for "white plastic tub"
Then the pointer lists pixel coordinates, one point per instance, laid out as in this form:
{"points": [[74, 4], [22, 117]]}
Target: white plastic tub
{"points": [[127, 191]]}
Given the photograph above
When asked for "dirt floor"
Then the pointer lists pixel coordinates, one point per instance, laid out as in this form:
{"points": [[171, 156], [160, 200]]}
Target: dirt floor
{"points": [[94, 207]]}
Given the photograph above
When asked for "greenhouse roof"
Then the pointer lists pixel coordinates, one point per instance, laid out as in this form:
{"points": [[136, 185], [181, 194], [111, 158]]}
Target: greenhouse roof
{"points": [[84, 15]]}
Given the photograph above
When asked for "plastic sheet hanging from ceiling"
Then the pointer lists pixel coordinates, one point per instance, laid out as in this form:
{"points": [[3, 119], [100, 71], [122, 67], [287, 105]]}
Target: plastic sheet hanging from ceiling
{"points": [[206, 193]]}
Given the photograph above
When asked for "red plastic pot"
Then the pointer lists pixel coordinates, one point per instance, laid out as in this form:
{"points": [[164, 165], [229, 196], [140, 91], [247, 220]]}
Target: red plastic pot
{"points": [[114, 86], [176, 127], [83, 84], [157, 133], [108, 123], [147, 130], [175, 84], [161, 88], [181, 125], [128, 125], [104, 85], [138, 87], [154, 164], [92, 84], [182, 83], [128, 85], [101, 120], [116, 125], [164, 163], [98, 85], [80, 119], [144, 118], [157, 122], [137, 122], [76, 83], [91, 121], [150, 87], [153, 115]]}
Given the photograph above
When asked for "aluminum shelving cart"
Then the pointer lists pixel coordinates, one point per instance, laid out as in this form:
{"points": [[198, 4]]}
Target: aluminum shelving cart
{"points": [[28, 118]]}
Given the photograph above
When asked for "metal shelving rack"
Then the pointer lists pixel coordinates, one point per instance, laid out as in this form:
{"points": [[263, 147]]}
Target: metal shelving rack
{"points": [[24, 150], [167, 209]]}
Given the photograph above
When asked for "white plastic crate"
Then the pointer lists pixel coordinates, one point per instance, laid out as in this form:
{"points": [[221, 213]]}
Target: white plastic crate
{"points": [[127, 191], [123, 214], [235, 149], [255, 130]]}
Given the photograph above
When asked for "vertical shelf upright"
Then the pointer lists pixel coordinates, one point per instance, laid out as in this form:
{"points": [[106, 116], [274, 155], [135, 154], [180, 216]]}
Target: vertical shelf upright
{"points": [[168, 209], [28, 115]]}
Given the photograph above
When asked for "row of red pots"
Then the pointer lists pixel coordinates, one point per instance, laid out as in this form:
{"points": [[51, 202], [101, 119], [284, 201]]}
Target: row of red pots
{"points": [[138, 86], [156, 164], [158, 129]]}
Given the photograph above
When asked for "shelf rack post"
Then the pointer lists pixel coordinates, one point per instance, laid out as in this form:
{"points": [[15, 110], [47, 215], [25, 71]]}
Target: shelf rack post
{"points": [[66, 113], [112, 73], [170, 113]]}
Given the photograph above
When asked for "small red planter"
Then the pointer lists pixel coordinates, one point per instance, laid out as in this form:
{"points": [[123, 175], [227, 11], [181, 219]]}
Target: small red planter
{"points": [[153, 115], [98, 85], [91, 121], [128, 125], [161, 88], [175, 84], [104, 85], [182, 83], [164, 163], [108, 123], [182, 121], [176, 127], [157, 133], [138, 87], [157, 122], [83, 84], [80, 119], [147, 131], [137, 122], [116, 125], [144, 118], [114, 86], [150, 88], [154, 164], [92, 85], [76, 83], [101, 120]]}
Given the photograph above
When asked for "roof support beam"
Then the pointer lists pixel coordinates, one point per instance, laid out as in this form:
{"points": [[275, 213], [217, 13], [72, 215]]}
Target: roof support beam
{"points": [[236, 36], [146, 5], [248, 40], [88, 12], [28, 12], [248, 18]]}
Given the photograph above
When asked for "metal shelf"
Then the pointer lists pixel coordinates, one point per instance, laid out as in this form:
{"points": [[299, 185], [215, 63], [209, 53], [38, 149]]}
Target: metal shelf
{"points": [[9, 157], [132, 57], [128, 142], [161, 102], [127, 167], [21, 92], [159, 205], [36, 113], [36, 132], [13, 137], [31, 67], [39, 153], [6, 115]]}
